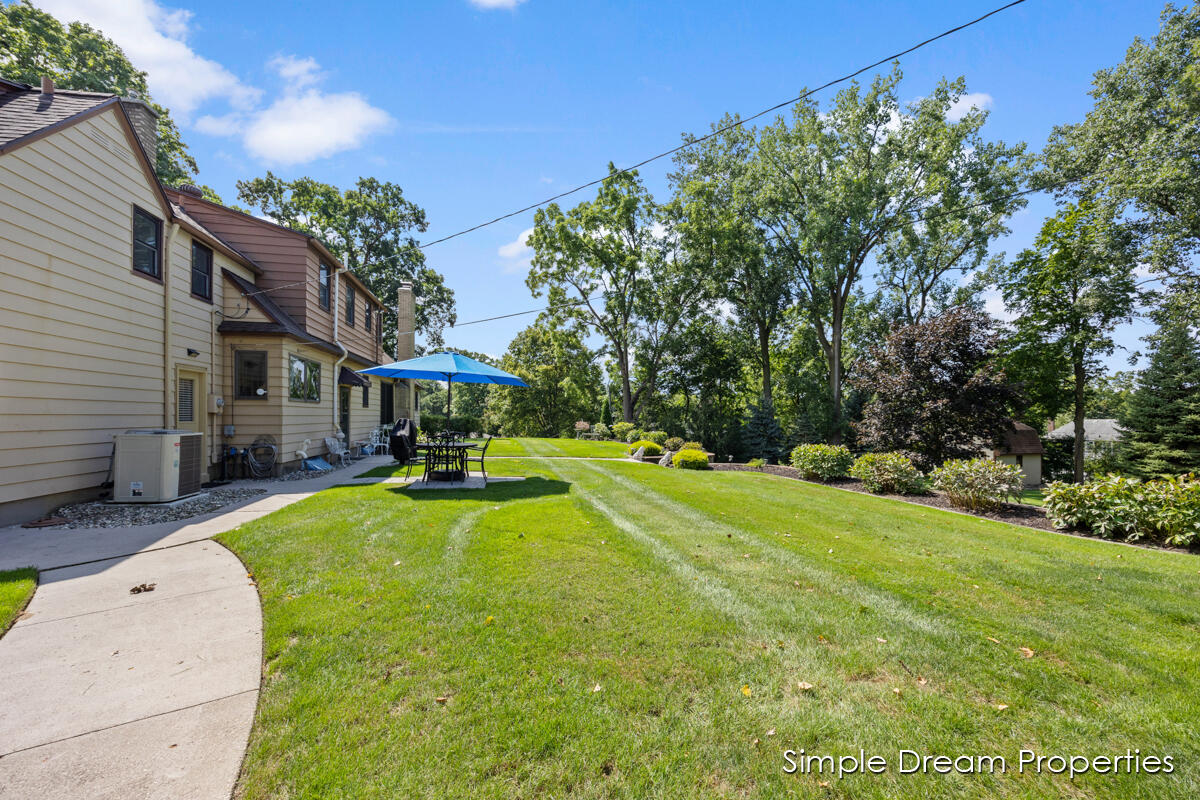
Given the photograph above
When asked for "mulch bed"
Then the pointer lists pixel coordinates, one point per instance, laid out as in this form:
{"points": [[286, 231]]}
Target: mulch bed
{"points": [[1017, 514]]}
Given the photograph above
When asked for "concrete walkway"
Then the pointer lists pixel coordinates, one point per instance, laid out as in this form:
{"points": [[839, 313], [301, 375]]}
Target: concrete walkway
{"points": [[107, 694]]}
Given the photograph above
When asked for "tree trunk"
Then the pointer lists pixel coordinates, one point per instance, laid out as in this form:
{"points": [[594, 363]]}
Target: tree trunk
{"points": [[764, 351], [1080, 387], [626, 392], [835, 375]]}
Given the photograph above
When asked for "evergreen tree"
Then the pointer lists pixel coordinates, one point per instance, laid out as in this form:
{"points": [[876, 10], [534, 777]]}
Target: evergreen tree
{"points": [[1163, 416], [761, 435], [607, 415]]}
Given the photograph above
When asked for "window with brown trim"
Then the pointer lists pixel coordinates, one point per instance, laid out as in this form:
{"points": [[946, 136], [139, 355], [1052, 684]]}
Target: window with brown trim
{"points": [[147, 243], [366, 395], [202, 271], [323, 285], [250, 371], [367, 315], [350, 301]]}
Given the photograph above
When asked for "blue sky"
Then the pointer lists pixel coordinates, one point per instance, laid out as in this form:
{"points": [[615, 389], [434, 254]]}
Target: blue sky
{"points": [[478, 107]]}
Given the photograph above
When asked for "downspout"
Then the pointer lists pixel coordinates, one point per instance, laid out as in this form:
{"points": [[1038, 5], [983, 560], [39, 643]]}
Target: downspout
{"points": [[166, 278], [336, 309]]}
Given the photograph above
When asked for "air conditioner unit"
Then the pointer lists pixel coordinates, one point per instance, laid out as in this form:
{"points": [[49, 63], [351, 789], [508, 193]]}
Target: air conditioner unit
{"points": [[156, 466]]}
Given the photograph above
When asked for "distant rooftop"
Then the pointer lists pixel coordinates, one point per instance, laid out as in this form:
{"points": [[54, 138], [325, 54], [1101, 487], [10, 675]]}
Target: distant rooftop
{"points": [[1094, 430]]}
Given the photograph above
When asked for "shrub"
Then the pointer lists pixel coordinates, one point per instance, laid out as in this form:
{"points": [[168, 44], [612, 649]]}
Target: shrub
{"points": [[893, 473], [652, 448], [658, 437], [690, 459], [978, 484], [621, 431], [674, 444], [602, 430], [757, 463], [1166, 510], [823, 462], [692, 446]]}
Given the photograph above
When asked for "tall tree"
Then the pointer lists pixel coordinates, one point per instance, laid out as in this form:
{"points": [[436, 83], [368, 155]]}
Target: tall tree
{"points": [[611, 265], [1068, 291], [34, 44], [1162, 418], [713, 190], [936, 391], [833, 187], [371, 228], [1136, 149], [563, 379]]}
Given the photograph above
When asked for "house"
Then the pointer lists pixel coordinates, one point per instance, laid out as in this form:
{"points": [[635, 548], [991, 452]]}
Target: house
{"points": [[1099, 435], [1023, 447], [127, 305]]}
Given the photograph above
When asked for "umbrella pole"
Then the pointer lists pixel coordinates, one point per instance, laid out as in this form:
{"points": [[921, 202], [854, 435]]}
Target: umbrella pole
{"points": [[449, 389]]}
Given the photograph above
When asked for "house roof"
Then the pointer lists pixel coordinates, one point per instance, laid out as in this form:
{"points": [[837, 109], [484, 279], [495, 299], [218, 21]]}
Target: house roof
{"points": [[1094, 430], [27, 112], [196, 227], [184, 198], [281, 321], [1021, 440]]}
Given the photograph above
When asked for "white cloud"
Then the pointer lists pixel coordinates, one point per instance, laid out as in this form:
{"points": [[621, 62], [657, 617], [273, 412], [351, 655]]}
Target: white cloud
{"points": [[959, 108], [488, 5], [296, 71], [300, 124], [993, 303], [155, 39], [517, 253]]}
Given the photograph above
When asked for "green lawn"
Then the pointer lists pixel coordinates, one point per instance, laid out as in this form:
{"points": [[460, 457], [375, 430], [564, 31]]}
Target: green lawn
{"points": [[1033, 497], [16, 587], [610, 629], [523, 447]]}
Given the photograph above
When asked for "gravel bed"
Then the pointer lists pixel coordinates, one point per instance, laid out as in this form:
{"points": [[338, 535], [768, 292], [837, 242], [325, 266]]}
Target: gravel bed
{"points": [[1014, 513], [98, 514]]}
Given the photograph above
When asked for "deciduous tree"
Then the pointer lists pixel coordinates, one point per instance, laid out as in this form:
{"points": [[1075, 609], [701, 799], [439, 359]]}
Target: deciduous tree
{"points": [[1069, 291], [936, 392]]}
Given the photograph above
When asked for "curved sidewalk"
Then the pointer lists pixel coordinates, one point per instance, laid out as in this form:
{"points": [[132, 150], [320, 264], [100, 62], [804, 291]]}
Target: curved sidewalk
{"points": [[108, 694]]}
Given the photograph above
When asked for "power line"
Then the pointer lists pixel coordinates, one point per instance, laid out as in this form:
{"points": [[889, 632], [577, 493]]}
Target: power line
{"points": [[723, 129], [694, 141]]}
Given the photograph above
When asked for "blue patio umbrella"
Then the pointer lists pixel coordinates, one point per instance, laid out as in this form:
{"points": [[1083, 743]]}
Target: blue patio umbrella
{"points": [[448, 367]]}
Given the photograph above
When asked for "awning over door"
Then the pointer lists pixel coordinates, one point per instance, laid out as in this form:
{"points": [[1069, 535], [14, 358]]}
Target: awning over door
{"points": [[348, 377]]}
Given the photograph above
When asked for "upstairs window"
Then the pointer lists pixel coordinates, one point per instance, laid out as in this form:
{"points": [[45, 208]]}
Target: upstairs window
{"points": [[350, 301], [367, 315], [323, 285], [147, 243], [202, 271]]}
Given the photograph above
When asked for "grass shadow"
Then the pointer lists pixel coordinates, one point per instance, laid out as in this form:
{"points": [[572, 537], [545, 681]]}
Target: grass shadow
{"points": [[533, 486]]}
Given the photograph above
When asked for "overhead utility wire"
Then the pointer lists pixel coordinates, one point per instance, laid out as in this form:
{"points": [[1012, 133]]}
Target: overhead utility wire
{"points": [[697, 140]]}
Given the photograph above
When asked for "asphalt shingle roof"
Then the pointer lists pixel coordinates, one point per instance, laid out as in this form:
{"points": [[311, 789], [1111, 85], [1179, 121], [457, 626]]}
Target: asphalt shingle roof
{"points": [[1094, 430], [26, 112]]}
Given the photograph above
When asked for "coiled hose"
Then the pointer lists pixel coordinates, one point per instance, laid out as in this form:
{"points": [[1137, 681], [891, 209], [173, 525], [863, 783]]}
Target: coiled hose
{"points": [[260, 457]]}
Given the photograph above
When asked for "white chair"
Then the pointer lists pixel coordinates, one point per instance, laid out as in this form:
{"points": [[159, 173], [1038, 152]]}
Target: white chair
{"points": [[337, 450], [378, 442]]}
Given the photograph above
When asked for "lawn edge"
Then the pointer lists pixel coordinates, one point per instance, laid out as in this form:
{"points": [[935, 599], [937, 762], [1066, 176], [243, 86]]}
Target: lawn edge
{"points": [[37, 581]]}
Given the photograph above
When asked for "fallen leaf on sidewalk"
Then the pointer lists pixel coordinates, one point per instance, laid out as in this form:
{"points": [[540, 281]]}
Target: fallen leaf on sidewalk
{"points": [[143, 587]]}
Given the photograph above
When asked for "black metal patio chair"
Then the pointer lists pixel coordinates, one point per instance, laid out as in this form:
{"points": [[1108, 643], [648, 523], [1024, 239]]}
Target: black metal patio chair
{"points": [[479, 458]]}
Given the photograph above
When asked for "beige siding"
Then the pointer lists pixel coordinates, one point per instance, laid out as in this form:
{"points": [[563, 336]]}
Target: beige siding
{"points": [[81, 335]]}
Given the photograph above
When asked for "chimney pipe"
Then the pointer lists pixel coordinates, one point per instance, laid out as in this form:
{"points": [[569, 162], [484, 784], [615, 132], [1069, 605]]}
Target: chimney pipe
{"points": [[47, 85], [406, 322]]}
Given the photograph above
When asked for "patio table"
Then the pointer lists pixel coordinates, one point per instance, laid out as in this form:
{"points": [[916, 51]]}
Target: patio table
{"points": [[446, 461]]}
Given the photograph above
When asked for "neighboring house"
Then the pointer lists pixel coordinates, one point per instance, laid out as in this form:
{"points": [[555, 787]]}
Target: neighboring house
{"points": [[1099, 435], [1022, 447], [125, 305]]}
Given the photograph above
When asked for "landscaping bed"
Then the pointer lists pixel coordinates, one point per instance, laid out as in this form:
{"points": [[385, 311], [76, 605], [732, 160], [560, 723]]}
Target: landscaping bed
{"points": [[1013, 513], [98, 514]]}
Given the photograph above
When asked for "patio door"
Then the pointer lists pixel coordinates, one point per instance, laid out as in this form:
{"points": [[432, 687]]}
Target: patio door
{"points": [[344, 412]]}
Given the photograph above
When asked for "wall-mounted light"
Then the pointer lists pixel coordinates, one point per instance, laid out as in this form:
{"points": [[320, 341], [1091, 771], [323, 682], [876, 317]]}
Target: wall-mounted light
{"points": [[192, 353], [261, 392]]}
